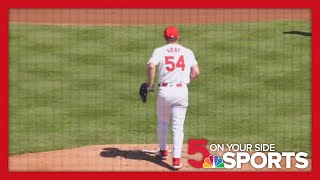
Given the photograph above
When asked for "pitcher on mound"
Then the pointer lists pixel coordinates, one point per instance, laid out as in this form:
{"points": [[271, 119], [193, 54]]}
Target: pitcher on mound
{"points": [[177, 66]]}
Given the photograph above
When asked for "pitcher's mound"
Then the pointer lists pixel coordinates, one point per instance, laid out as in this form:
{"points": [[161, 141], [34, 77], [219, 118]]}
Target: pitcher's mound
{"points": [[122, 157]]}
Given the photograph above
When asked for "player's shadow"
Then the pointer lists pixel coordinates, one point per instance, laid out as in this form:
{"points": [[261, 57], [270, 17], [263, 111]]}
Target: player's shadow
{"points": [[134, 154], [298, 33]]}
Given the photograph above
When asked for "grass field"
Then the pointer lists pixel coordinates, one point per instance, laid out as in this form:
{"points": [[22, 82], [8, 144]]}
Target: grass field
{"points": [[72, 86]]}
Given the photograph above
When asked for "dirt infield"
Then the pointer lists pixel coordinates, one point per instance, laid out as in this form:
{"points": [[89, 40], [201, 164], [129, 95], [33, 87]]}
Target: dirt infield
{"points": [[131, 157], [152, 16], [113, 158]]}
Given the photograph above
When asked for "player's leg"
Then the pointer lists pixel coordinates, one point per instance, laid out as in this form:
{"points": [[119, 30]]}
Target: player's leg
{"points": [[178, 112], [163, 110], [178, 117]]}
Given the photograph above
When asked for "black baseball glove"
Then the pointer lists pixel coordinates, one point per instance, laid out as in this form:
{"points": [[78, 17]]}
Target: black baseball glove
{"points": [[144, 90]]}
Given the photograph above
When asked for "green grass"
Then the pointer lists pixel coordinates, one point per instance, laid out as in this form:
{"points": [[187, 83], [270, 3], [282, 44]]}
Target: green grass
{"points": [[72, 86]]}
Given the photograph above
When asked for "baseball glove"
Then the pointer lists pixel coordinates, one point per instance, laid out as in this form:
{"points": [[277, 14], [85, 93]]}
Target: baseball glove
{"points": [[144, 90]]}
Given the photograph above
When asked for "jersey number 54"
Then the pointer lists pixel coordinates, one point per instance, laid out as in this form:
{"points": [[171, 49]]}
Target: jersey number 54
{"points": [[171, 66]]}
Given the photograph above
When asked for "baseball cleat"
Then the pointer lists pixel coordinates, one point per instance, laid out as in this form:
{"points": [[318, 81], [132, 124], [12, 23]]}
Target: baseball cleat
{"points": [[163, 154], [176, 164]]}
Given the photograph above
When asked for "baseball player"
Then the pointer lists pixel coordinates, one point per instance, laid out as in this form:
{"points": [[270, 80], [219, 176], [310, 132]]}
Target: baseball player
{"points": [[177, 66]]}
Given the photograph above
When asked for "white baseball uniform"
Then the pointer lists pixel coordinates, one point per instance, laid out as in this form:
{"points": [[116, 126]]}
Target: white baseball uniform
{"points": [[174, 62]]}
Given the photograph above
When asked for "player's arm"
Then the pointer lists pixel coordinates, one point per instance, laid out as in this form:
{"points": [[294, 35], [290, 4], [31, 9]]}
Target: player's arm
{"points": [[195, 72], [151, 74]]}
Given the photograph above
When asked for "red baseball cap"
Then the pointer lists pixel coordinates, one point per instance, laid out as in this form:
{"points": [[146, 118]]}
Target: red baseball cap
{"points": [[171, 32]]}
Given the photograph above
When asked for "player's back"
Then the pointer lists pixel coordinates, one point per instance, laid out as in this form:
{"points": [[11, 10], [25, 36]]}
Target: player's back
{"points": [[174, 63]]}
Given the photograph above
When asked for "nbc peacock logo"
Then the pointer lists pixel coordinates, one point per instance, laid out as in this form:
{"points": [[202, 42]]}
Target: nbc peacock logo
{"points": [[213, 161]]}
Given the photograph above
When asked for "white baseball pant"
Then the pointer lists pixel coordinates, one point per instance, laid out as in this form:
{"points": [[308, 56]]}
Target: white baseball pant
{"points": [[172, 100]]}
